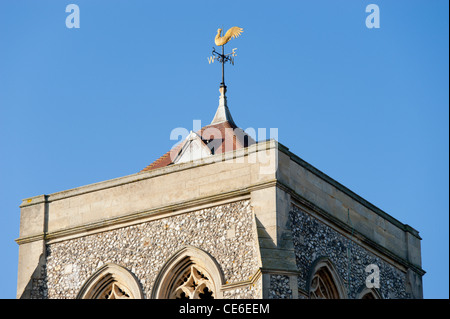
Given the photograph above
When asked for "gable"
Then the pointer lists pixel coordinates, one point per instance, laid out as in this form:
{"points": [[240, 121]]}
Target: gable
{"points": [[193, 149]]}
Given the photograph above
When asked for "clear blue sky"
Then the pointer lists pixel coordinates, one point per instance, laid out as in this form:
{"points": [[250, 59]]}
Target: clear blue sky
{"points": [[368, 107]]}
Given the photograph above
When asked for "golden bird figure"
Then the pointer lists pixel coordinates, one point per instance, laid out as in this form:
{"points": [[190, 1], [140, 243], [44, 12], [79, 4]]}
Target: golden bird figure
{"points": [[232, 32]]}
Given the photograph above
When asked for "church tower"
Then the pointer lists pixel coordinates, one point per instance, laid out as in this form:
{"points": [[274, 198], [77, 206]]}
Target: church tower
{"points": [[219, 216]]}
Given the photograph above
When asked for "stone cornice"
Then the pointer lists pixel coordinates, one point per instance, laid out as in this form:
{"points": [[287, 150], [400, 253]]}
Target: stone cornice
{"points": [[142, 216], [347, 191]]}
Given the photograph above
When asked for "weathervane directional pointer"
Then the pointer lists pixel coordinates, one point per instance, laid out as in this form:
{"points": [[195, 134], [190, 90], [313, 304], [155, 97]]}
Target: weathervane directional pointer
{"points": [[223, 58]]}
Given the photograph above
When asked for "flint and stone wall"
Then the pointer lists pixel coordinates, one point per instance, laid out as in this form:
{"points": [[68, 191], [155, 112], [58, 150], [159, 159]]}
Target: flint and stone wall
{"points": [[313, 240], [226, 232]]}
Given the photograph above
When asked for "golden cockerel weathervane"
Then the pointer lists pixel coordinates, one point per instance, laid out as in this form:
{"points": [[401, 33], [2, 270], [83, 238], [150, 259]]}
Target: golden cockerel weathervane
{"points": [[220, 40], [232, 33]]}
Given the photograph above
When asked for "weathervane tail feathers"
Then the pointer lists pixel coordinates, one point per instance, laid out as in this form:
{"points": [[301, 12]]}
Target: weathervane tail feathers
{"points": [[232, 33]]}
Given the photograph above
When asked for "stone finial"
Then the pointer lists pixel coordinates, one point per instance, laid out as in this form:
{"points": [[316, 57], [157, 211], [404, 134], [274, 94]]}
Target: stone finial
{"points": [[223, 113]]}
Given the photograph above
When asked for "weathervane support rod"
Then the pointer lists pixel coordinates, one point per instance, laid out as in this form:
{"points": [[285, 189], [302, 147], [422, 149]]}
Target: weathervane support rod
{"points": [[222, 58], [223, 66]]}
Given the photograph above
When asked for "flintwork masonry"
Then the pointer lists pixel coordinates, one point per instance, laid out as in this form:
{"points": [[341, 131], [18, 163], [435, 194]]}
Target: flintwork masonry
{"points": [[144, 248], [314, 240]]}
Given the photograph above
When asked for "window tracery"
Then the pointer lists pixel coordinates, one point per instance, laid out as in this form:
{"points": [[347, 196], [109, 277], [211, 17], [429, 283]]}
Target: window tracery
{"points": [[114, 291], [193, 283], [323, 287], [324, 282], [190, 273]]}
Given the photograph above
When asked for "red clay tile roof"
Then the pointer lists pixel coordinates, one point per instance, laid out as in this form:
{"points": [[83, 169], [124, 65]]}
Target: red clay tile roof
{"points": [[219, 138]]}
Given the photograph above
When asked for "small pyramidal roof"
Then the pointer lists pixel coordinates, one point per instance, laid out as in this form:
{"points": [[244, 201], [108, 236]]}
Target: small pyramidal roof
{"points": [[223, 113], [221, 136]]}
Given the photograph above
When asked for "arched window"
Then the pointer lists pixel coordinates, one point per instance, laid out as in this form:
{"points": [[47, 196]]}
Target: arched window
{"points": [[111, 282], [369, 296], [189, 274], [324, 282], [368, 293], [322, 286]]}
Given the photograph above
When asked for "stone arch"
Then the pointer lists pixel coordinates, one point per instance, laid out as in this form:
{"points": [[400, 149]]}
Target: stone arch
{"points": [[324, 281], [189, 266], [368, 293], [111, 281]]}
